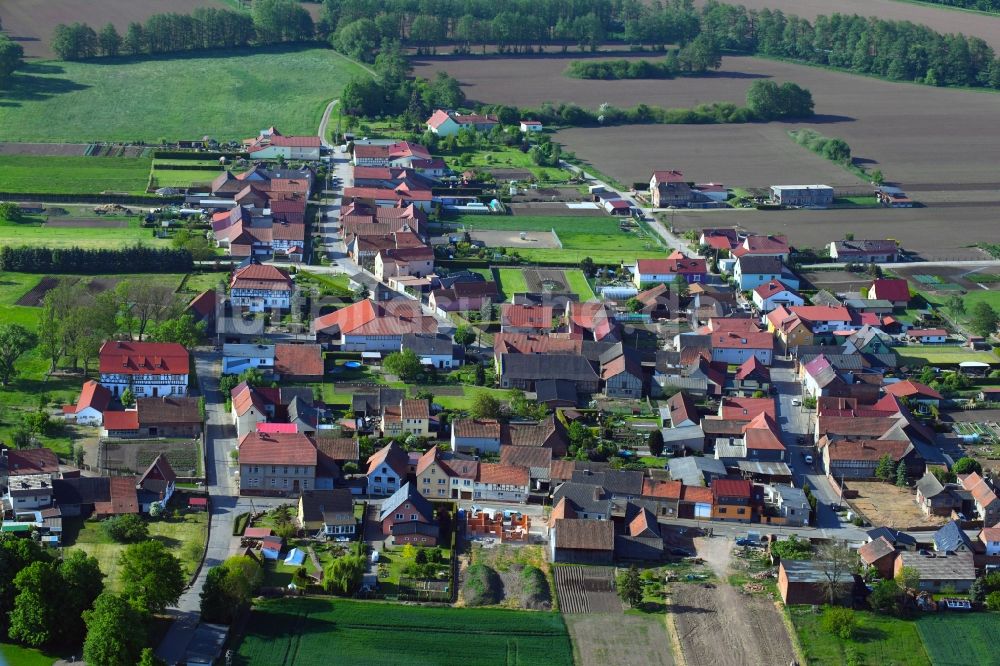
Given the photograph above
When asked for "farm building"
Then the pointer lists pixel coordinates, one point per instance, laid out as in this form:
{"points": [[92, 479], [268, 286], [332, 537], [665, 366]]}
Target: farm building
{"points": [[272, 144], [449, 123], [528, 126], [868, 251], [802, 195], [578, 541], [668, 188], [952, 570], [804, 582]]}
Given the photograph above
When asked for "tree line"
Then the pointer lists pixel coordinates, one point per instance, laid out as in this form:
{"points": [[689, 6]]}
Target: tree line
{"points": [[11, 57], [992, 6], [85, 261], [697, 57], [268, 22]]}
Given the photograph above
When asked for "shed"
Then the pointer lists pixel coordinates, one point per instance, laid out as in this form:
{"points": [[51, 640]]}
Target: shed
{"points": [[804, 582], [206, 644]]}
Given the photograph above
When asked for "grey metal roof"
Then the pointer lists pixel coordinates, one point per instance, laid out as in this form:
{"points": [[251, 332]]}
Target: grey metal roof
{"points": [[766, 468], [950, 538], [683, 434], [692, 470], [810, 571], [583, 497]]}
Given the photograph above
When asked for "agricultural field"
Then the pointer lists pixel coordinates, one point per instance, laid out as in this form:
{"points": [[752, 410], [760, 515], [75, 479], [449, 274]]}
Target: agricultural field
{"points": [[584, 589], [31, 23], [306, 631], [134, 456], [600, 639], [95, 232], [977, 634], [881, 639], [227, 95], [184, 537], [72, 175]]}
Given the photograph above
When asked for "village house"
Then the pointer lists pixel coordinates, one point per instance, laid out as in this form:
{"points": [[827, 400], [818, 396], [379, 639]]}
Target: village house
{"points": [[237, 358], [298, 363], [524, 371], [857, 459], [865, 251], [668, 188], [879, 554], [752, 270], [591, 321], [28, 462], [475, 435], [895, 290], [577, 541], [362, 247], [387, 469], [170, 416], [272, 144], [147, 369], [536, 459], [526, 319], [989, 537], [259, 287], [750, 377], [433, 476], [435, 351], [328, 512], [27, 492], [409, 417], [762, 246], [278, 464], [529, 126], [96, 496], [732, 500], [385, 197], [787, 503], [157, 484], [369, 326], [639, 537], [408, 518], [819, 377], [502, 483], [450, 123], [935, 498], [734, 341], [928, 336], [90, 406], [464, 296], [405, 262], [810, 196], [622, 374], [650, 271], [985, 497], [916, 394], [772, 294]]}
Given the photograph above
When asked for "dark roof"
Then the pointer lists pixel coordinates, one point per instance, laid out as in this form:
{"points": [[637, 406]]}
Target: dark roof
{"points": [[425, 343], [526, 456], [153, 411], [412, 527], [537, 366], [333, 507], [158, 475], [578, 534], [617, 482], [583, 497], [32, 461], [338, 448], [894, 537], [760, 264], [929, 486], [82, 490], [951, 538], [372, 403], [555, 389], [406, 493]]}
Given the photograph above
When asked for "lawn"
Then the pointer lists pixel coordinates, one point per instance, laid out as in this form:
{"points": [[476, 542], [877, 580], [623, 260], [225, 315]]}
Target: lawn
{"points": [[561, 223], [307, 631], [184, 537], [919, 355], [881, 639], [225, 95], [512, 282], [72, 175], [572, 257], [497, 157], [36, 233], [464, 401], [577, 282], [15, 655], [182, 177], [978, 635]]}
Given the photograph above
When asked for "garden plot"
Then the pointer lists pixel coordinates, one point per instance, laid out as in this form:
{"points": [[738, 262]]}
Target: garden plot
{"points": [[587, 589], [885, 504], [36, 296], [134, 456], [530, 239]]}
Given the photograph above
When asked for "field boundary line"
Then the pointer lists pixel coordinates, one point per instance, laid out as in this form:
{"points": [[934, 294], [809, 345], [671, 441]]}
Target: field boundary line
{"points": [[556, 237], [793, 635], [675, 639]]}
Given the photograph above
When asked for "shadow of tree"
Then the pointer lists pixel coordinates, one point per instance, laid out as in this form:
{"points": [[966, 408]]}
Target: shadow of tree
{"points": [[31, 85]]}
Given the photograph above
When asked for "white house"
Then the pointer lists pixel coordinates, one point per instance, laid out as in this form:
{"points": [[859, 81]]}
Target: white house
{"points": [[387, 470], [271, 144], [531, 126], [444, 123], [753, 270], [479, 435], [90, 406], [928, 335], [259, 287], [652, 271], [29, 491], [497, 482], [990, 538], [237, 358], [434, 351], [148, 369], [802, 195], [772, 294]]}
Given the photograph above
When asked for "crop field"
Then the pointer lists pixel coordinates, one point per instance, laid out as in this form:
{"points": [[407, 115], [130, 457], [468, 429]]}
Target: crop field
{"points": [[31, 23], [181, 177], [881, 639], [599, 639], [307, 631], [78, 233], [227, 95], [48, 149], [978, 634], [584, 589], [72, 175]]}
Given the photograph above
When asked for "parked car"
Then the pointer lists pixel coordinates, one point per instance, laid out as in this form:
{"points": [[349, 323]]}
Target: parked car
{"points": [[809, 459], [796, 402]]}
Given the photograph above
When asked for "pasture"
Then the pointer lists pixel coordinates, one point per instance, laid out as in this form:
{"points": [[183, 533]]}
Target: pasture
{"points": [[880, 639], [72, 175], [306, 631], [86, 233], [978, 634], [31, 23], [229, 95]]}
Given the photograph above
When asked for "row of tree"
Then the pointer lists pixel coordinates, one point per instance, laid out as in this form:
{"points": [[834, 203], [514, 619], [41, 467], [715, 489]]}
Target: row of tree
{"points": [[84, 261], [697, 57], [268, 22], [11, 58], [979, 5]]}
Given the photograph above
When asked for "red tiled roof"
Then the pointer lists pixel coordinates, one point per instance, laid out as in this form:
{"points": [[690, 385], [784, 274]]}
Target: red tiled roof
{"points": [[127, 420], [93, 395], [257, 448], [262, 273], [145, 358], [392, 455], [909, 388], [298, 360], [873, 551], [731, 488], [696, 494], [771, 288], [868, 449], [296, 141], [927, 332], [821, 313], [752, 367], [680, 266], [594, 317], [123, 498], [533, 343], [526, 316], [669, 176], [415, 409], [204, 303], [746, 409], [762, 434], [477, 428], [276, 428], [500, 474], [31, 461], [890, 290], [662, 489]]}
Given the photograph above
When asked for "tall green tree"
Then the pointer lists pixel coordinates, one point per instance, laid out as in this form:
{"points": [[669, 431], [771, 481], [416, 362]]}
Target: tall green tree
{"points": [[404, 364], [15, 342], [82, 582], [35, 620], [983, 319], [109, 41], [116, 632], [229, 588], [11, 58], [630, 586], [151, 577], [485, 406]]}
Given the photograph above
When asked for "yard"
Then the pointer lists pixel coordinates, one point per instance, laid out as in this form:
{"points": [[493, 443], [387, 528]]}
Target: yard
{"points": [[509, 561], [978, 635], [885, 504], [920, 355], [72, 175], [181, 177], [225, 95], [85, 233], [505, 158], [512, 282], [184, 537], [881, 639], [307, 631], [393, 563], [464, 400]]}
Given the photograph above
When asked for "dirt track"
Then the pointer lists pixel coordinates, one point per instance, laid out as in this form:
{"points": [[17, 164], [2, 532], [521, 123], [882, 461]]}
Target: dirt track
{"points": [[720, 626]]}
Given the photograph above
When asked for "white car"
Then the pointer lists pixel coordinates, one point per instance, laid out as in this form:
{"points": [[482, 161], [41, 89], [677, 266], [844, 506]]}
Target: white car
{"points": [[796, 402], [809, 460]]}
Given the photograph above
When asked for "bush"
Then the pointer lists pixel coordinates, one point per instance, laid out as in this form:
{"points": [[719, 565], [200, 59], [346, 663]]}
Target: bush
{"points": [[482, 586], [840, 622], [993, 601], [128, 528], [537, 595], [240, 524]]}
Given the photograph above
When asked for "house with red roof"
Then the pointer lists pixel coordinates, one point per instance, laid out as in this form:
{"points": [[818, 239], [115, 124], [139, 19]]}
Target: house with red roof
{"points": [[526, 319], [202, 308], [746, 409], [276, 464], [370, 326], [915, 392], [928, 336], [149, 369], [404, 262], [398, 154], [732, 500], [387, 469], [651, 271], [384, 197], [773, 294], [763, 246], [272, 144], [751, 377], [298, 363], [90, 406], [734, 340], [622, 374], [258, 287], [894, 290], [500, 482], [592, 321], [449, 123]]}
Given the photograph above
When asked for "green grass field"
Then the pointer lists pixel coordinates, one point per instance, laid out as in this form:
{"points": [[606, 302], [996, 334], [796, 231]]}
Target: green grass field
{"points": [[464, 401], [176, 534], [230, 95], [182, 177], [512, 282], [882, 640], [72, 175], [308, 631], [36, 233], [924, 354], [953, 639], [15, 655], [604, 224], [578, 283], [497, 157]]}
